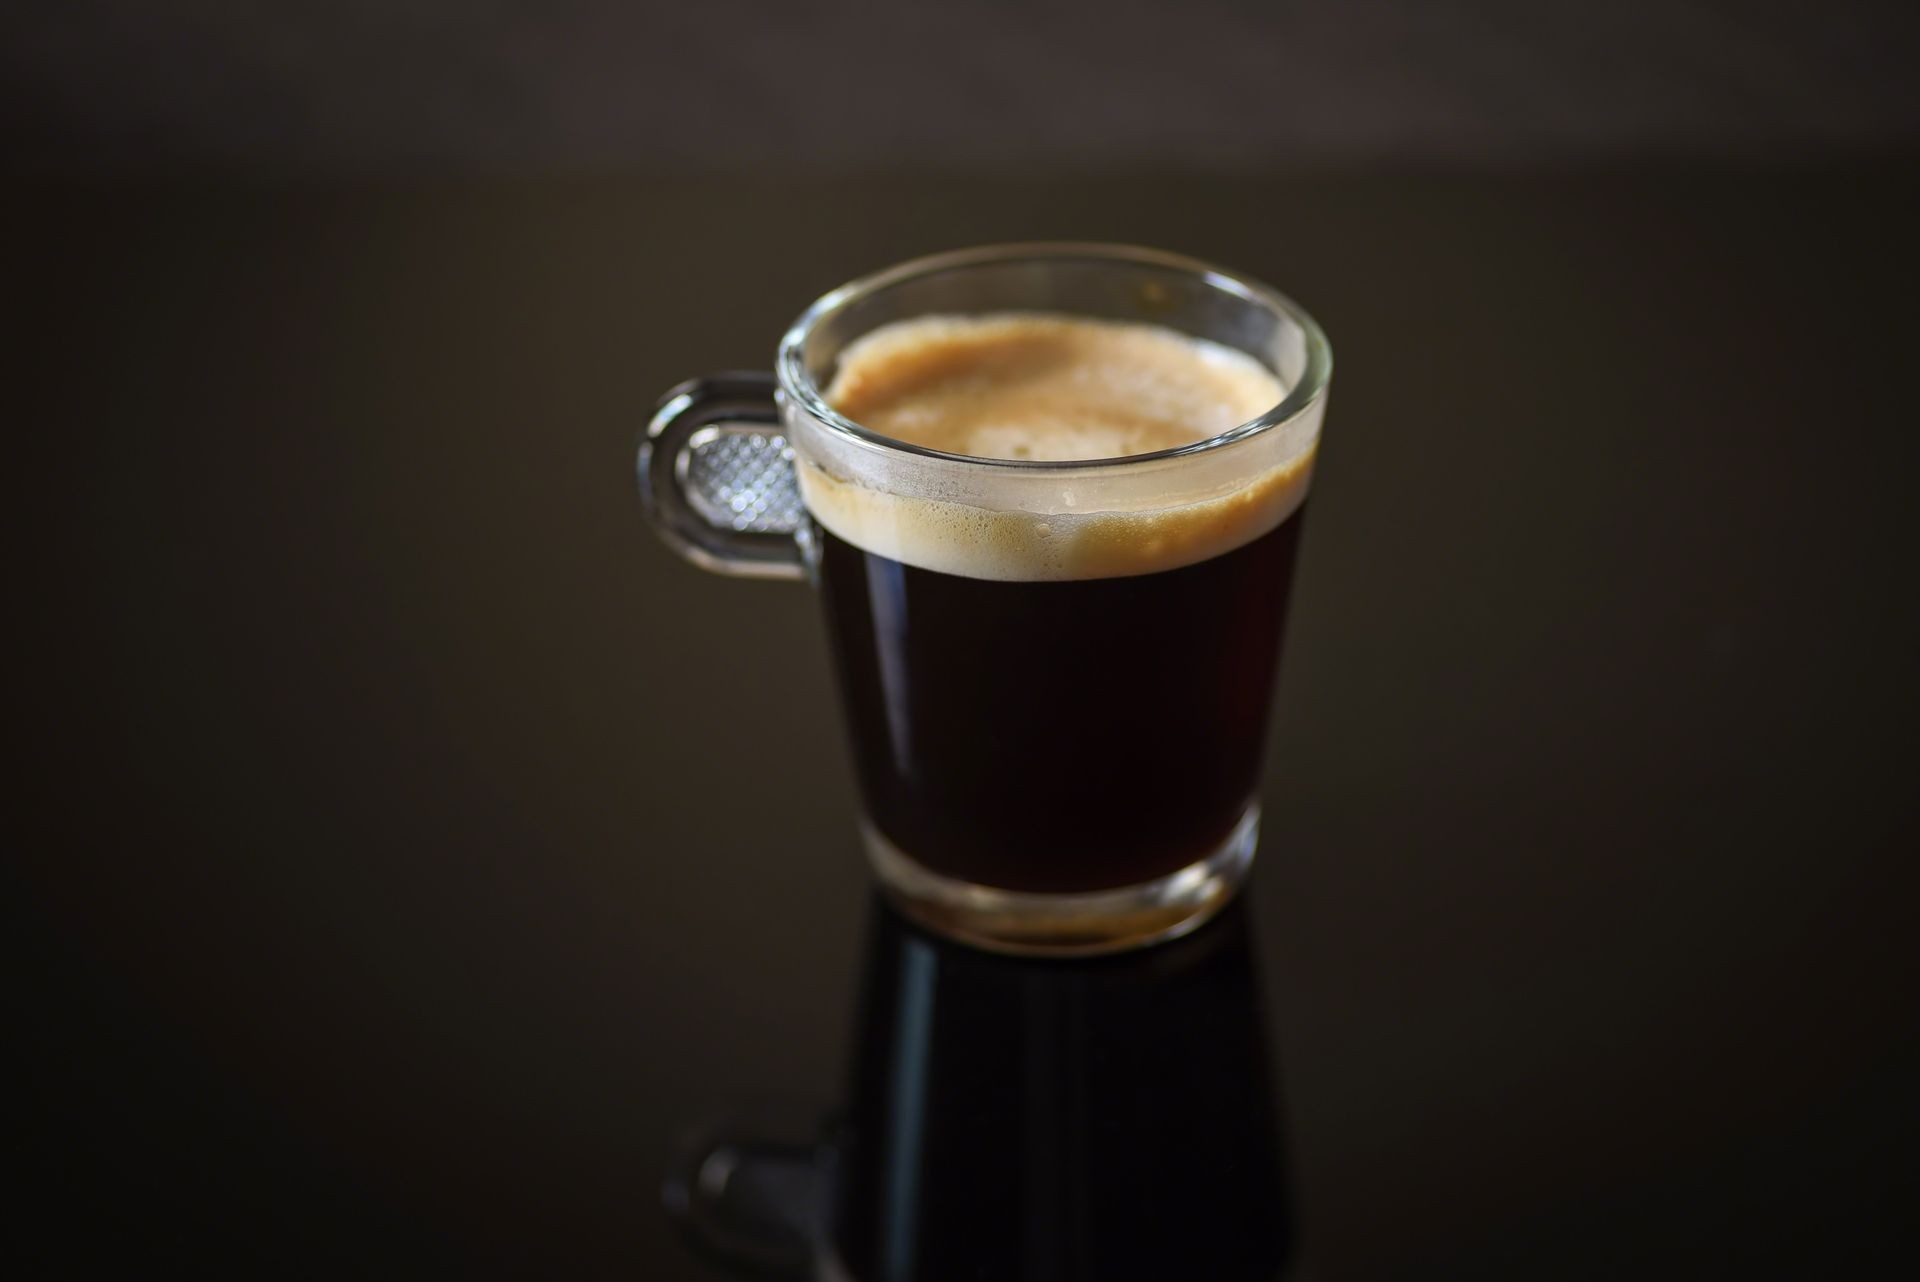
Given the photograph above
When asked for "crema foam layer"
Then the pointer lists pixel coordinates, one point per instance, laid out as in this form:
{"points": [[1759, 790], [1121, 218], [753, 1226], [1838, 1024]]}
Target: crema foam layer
{"points": [[1052, 388]]}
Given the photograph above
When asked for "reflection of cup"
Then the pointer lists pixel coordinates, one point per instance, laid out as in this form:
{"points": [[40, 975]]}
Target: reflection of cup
{"points": [[1100, 1119], [1059, 752], [1088, 1120]]}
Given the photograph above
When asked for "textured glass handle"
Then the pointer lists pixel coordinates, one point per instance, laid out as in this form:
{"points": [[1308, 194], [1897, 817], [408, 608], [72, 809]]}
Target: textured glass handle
{"points": [[716, 477]]}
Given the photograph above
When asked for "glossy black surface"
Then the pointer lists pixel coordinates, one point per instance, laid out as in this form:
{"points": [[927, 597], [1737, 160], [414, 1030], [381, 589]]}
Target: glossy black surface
{"points": [[1058, 736], [1065, 1121], [406, 850]]}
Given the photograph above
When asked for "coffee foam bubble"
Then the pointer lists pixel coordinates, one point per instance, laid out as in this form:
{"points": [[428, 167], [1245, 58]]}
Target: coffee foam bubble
{"points": [[1053, 387]]}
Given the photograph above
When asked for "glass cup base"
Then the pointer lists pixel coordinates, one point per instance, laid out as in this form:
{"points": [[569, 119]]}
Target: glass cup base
{"points": [[1066, 925]]}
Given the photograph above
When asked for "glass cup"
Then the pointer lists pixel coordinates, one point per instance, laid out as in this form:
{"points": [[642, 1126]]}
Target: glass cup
{"points": [[1056, 675]]}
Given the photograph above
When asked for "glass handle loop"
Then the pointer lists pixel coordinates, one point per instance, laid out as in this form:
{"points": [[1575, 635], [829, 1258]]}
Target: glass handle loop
{"points": [[717, 481]]}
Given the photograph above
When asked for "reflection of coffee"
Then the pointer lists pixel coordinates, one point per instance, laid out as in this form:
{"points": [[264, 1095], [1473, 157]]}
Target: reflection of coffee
{"points": [[1016, 1120], [1060, 702]]}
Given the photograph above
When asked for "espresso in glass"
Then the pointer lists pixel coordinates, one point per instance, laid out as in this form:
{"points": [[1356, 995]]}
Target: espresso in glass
{"points": [[1054, 710], [1050, 496]]}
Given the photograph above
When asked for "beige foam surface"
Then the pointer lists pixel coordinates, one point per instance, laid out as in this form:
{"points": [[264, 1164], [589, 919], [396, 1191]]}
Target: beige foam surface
{"points": [[1046, 387], [1038, 386]]}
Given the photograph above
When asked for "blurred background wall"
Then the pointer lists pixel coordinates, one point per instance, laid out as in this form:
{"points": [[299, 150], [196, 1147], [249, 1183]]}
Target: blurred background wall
{"points": [[464, 87]]}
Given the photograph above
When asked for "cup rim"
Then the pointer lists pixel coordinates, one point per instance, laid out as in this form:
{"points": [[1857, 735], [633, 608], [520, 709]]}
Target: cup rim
{"points": [[798, 385]]}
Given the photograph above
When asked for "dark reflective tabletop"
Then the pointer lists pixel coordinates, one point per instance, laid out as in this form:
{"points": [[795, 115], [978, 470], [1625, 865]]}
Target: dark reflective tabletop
{"points": [[413, 863]]}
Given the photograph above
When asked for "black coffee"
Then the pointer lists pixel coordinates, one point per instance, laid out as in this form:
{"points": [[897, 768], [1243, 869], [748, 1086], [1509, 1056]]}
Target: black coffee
{"points": [[1064, 702], [1058, 736]]}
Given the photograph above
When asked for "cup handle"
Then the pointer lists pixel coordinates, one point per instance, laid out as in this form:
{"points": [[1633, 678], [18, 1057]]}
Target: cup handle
{"points": [[717, 481]]}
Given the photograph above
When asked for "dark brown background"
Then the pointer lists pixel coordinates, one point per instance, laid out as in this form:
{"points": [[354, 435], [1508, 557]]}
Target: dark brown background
{"points": [[398, 88], [407, 849]]}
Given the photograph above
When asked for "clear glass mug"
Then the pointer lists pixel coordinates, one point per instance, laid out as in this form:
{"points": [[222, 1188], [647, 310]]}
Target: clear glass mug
{"points": [[1056, 675]]}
